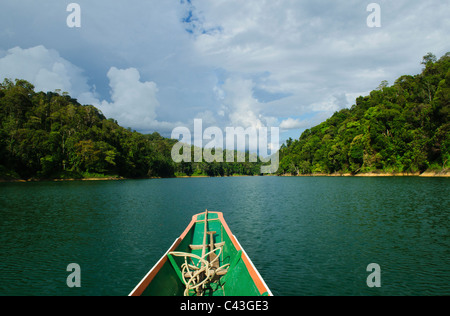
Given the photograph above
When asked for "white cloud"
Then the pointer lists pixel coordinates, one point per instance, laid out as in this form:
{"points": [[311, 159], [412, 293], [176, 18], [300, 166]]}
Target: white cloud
{"points": [[46, 70], [291, 123], [133, 102], [241, 107]]}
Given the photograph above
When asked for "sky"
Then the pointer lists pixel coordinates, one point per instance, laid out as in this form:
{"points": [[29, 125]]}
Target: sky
{"points": [[156, 65]]}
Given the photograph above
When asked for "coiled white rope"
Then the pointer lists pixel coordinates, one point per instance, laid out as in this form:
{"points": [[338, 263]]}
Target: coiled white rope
{"points": [[201, 274]]}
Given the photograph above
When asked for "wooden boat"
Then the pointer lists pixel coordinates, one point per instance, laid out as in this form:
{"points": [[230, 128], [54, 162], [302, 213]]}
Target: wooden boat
{"points": [[206, 260]]}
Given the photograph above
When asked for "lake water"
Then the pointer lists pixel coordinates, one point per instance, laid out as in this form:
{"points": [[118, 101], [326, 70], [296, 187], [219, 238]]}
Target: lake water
{"points": [[305, 235]]}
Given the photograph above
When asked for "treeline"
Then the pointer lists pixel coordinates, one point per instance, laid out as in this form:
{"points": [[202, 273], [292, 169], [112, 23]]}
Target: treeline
{"points": [[220, 169], [400, 128], [51, 136]]}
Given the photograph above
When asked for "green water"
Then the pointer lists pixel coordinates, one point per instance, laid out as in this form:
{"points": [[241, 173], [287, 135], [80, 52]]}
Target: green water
{"points": [[306, 236]]}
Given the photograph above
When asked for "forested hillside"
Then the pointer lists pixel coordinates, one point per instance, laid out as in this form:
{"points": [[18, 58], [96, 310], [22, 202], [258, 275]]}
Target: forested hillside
{"points": [[49, 135], [399, 128]]}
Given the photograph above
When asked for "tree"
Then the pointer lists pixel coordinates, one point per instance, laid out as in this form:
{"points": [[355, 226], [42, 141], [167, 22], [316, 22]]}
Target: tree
{"points": [[383, 85], [429, 58]]}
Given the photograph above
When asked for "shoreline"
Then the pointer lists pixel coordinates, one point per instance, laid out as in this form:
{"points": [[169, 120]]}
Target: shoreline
{"points": [[426, 174], [61, 180]]}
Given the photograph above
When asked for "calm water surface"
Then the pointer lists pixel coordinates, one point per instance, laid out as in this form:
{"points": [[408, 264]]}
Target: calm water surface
{"points": [[306, 236]]}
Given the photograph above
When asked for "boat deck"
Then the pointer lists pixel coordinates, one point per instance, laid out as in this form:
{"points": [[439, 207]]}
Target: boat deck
{"points": [[234, 273]]}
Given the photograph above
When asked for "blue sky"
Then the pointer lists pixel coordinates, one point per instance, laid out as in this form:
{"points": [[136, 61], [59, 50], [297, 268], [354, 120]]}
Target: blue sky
{"points": [[154, 65]]}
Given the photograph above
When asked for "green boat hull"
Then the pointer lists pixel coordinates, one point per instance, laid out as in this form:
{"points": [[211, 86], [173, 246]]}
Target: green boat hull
{"points": [[168, 279]]}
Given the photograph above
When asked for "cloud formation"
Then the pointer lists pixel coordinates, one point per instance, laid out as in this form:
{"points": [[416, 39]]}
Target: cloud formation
{"points": [[47, 70], [157, 64], [133, 102]]}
